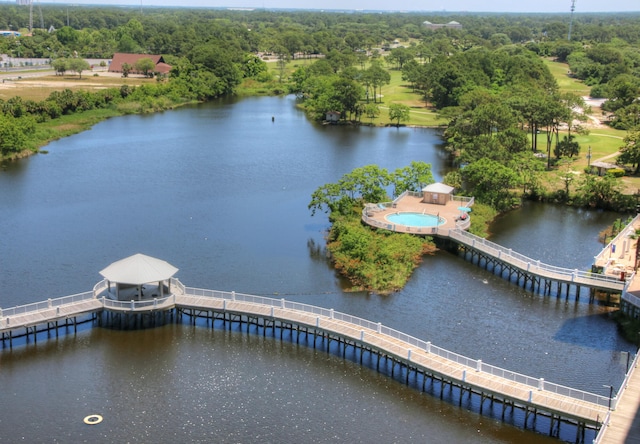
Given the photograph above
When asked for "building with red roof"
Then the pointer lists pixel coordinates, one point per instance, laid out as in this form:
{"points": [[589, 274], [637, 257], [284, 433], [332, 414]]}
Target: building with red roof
{"points": [[120, 58]]}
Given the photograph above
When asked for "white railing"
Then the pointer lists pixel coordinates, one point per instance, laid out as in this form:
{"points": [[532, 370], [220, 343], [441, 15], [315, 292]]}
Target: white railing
{"points": [[528, 264], [521, 261], [603, 428], [402, 228], [616, 399], [133, 305], [630, 298], [100, 287], [623, 232], [412, 343], [177, 284], [409, 343], [45, 305], [467, 201], [632, 368]]}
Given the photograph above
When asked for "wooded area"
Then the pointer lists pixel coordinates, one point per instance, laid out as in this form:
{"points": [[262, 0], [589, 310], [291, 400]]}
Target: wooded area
{"points": [[512, 129], [508, 120]]}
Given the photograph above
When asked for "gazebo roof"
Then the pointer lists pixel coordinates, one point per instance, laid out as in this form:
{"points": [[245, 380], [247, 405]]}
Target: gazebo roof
{"points": [[138, 269], [438, 187]]}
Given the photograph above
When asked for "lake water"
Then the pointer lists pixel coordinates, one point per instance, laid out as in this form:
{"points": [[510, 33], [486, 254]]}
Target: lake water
{"points": [[221, 191]]}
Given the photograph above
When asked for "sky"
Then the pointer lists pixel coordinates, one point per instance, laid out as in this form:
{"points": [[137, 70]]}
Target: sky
{"points": [[563, 6]]}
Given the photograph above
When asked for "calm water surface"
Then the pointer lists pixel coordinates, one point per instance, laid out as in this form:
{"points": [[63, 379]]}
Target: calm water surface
{"points": [[221, 192]]}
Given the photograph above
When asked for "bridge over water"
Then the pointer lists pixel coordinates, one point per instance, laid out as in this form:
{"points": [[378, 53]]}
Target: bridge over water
{"points": [[497, 391], [512, 265]]}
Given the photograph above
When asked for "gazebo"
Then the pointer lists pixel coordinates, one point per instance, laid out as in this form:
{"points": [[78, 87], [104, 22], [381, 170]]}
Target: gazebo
{"points": [[137, 274]]}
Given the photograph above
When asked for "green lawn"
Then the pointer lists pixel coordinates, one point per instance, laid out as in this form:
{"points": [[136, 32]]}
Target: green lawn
{"points": [[397, 91], [566, 83]]}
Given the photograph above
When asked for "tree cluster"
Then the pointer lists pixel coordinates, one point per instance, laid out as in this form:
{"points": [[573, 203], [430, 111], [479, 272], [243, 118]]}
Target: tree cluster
{"points": [[374, 260]]}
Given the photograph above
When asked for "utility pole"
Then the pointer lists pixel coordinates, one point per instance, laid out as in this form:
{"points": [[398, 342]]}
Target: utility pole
{"points": [[573, 8], [30, 15]]}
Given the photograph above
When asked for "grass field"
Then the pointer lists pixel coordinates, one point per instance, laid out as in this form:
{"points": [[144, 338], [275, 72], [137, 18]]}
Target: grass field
{"points": [[603, 141], [39, 88], [397, 91], [566, 83]]}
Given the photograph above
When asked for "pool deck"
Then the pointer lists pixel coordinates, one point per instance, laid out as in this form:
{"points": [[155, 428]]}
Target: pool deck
{"points": [[449, 212]]}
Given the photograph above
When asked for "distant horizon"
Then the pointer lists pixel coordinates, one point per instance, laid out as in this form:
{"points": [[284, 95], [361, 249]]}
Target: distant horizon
{"points": [[414, 6]]}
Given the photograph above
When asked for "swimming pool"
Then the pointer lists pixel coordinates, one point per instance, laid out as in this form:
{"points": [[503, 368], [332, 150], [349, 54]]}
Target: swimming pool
{"points": [[409, 219]]}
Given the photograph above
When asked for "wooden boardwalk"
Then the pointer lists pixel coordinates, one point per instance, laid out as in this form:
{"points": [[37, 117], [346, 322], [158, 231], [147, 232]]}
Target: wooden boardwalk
{"points": [[532, 266], [460, 370], [623, 425], [532, 395], [530, 269]]}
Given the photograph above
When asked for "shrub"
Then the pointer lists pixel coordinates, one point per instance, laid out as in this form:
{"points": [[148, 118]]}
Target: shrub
{"points": [[615, 172]]}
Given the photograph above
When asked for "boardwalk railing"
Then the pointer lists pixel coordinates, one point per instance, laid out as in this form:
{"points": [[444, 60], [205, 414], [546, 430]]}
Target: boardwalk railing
{"points": [[623, 386], [532, 265], [630, 298], [37, 307], [412, 343], [628, 230], [507, 255], [369, 332]]}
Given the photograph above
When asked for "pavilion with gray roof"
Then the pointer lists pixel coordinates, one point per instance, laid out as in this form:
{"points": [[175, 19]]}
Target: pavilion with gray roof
{"points": [[139, 276]]}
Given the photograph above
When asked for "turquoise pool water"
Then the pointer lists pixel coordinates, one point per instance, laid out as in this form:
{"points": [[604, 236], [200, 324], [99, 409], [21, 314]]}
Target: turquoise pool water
{"points": [[409, 219]]}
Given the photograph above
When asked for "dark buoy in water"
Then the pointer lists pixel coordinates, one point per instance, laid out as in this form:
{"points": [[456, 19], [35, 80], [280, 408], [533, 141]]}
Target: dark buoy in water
{"points": [[273, 119]]}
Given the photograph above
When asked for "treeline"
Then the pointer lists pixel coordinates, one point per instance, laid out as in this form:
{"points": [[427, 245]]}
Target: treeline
{"points": [[486, 78], [187, 82], [98, 32]]}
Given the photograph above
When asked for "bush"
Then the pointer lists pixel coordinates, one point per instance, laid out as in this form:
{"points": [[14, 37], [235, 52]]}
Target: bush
{"points": [[599, 91], [615, 172], [374, 260]]}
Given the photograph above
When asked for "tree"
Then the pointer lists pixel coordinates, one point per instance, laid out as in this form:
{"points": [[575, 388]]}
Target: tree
{"points": [[78, 65], [413, 178], [67, 35], [400, 56], [283, 58], [567, 147], [347, 93], [376, 76], [14, 133], [253, 66], [491, 182], [145, 65], [630, 151], [399, 112], [126, 69], [60, 66], [371, 110], [219, 61], [598, 192], [622, 91], [362, 185]]}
